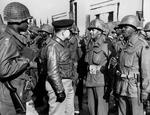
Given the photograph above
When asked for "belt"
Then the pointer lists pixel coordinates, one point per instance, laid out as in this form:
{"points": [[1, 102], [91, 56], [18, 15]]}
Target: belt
{"points": [[131, 75]]}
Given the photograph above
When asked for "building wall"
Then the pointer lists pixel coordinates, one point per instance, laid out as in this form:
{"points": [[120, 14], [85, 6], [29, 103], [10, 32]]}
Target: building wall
{"points": [[146, 11], [102, 7], [82, 13]]}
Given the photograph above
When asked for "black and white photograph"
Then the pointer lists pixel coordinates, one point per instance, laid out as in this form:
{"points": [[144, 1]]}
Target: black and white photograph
{"points": [[74, 57]]}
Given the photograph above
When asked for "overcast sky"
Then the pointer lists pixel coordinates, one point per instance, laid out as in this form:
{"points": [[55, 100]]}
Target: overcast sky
{"points": [[41, 9]]}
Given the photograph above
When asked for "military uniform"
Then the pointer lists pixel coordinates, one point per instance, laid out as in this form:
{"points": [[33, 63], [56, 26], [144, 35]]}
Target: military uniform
{"points": [[97, 54], [11, 40], [134, 62], [15, 58]]}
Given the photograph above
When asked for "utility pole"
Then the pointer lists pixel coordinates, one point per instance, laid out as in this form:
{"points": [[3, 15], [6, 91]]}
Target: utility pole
{"points": [[118, 6], [142, 15], [75, 5], [71, 12]]}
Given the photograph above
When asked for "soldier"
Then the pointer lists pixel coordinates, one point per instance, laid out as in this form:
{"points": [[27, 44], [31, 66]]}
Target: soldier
{"points": [[13, 61], [40, 94], [59, 67], [133, 75], [96, 56], [46, 32], [32, 34]]}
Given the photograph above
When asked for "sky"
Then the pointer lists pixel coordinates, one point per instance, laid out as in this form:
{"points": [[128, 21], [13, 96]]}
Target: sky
{"points": [[45, 9], [41, 9]]}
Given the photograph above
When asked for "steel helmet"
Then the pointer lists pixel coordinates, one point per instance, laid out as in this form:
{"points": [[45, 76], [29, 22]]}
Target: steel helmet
{"points": [[16, 12], [97, 24], [34, 29], [130, 20], [147, 27], [47, 28]]}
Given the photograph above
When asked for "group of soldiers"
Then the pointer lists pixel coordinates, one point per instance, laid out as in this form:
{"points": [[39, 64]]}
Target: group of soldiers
{"points": [[43, 68], [119, 66]]}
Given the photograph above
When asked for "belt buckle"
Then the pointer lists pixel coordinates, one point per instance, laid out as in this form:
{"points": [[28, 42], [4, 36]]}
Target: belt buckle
{"points": [[132, 76]]}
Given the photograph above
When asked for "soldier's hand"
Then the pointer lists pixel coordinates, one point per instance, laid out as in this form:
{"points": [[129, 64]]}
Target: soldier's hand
{"points": [[118, 73], [61, 96]]}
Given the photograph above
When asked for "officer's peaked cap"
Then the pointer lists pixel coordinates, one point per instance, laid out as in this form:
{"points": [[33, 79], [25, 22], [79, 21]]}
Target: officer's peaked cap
{"points": [[64, 23]]}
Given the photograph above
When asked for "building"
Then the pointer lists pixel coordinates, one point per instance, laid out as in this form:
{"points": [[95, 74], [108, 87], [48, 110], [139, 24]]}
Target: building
{"points": [[83, 11]]}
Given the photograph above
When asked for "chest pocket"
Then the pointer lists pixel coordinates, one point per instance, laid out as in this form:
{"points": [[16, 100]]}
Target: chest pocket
{"points": [[97, 55], [129, 57]]}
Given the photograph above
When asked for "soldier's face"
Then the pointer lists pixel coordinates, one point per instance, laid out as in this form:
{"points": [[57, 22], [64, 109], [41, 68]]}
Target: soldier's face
{"points": [[95, 33], [66, 33], [127, 31], [23, 26]]}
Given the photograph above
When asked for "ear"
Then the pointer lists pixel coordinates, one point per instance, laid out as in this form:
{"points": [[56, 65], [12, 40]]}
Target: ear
{"points": [[63, 33]]}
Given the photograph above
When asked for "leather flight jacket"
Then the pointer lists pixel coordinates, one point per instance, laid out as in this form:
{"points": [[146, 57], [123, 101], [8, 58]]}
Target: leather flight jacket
{"points": [[12, 63], [59, 63]]}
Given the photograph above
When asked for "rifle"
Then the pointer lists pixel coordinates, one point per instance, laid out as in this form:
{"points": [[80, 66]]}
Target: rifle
{"points": [[113, 72], [138, 88], [19, 107]]}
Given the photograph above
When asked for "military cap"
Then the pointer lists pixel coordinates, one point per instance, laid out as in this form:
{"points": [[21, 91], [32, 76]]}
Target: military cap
{"points": [[64, 23]]}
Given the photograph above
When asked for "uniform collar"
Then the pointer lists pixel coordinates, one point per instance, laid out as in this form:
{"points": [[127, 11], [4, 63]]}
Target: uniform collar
{"points": [[19, 37], [61, 42]]}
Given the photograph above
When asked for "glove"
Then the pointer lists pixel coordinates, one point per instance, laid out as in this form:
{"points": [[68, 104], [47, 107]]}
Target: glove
{"points": [[61, 96], [118, 73]]}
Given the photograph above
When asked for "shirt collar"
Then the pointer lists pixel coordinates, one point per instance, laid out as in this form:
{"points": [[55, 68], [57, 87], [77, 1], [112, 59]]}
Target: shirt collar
{"points": [[61, 42]]}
